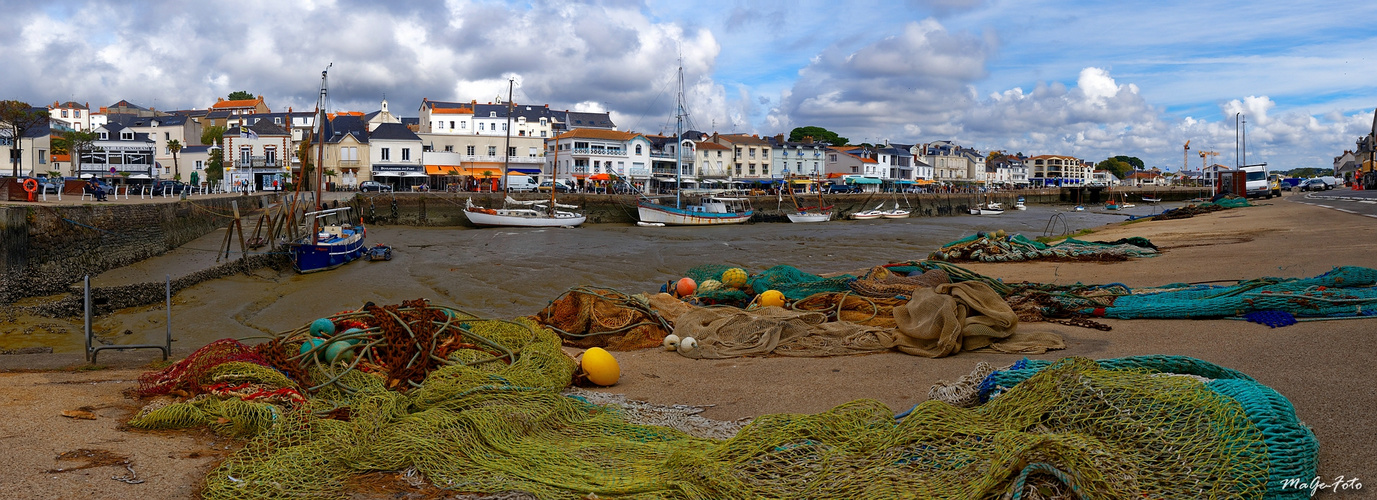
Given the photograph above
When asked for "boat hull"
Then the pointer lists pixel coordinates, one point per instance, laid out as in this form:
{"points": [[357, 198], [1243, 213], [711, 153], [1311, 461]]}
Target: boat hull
{"points": [[524, 218], [898, 214], [679, 217], [867, 215], [810, 217], [310, 257], [985, 211]]}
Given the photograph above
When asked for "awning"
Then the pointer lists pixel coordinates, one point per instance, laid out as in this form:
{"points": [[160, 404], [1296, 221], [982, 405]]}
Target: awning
{"points": [[140, 176], [862, 180], [513, 173], [600, 177], [387, 174], [903, 182], [523, 170], [801, 181], [415, 174], [444, 169]]}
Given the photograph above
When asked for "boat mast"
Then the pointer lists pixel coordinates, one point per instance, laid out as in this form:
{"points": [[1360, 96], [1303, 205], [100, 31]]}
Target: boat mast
{"points": [[554, 177], [507, 148], [679, 140], [320, 149]]}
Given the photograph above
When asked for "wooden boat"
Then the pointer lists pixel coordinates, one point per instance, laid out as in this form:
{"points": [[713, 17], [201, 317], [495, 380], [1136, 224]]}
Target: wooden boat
{"points": [[523, 213], [332, 240]]}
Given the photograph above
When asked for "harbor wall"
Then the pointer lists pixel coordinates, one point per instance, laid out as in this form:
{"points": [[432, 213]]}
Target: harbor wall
{"points": [[49, 248]]}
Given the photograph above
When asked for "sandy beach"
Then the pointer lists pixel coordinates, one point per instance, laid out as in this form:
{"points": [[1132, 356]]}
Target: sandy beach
{"points": [[1321, 366]]}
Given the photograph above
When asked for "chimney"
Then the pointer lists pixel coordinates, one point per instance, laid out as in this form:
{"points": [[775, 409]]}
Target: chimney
{"points": [[807, 139], [779, 138]]}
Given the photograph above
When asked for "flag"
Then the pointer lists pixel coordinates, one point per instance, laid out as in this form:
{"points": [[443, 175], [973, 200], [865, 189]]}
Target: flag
{"points": [[247, 133]]}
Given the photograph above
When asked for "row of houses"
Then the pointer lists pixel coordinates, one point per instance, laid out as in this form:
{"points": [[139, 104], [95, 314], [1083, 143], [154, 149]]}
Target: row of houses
{"points": [[451, 140]]}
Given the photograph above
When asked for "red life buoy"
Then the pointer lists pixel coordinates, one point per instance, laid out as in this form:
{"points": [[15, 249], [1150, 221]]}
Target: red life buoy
{"points": [[31, 185]]}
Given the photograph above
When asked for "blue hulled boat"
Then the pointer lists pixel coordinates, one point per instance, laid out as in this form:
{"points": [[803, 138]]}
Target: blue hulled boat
{"points": [[336, 243]]}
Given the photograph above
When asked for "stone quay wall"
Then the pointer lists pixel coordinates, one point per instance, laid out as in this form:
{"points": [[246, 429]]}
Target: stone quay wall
{"points": [[49, 249]]}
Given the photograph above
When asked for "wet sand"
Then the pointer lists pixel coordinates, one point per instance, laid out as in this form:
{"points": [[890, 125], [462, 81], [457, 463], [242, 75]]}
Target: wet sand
{"points": [[1323, 367]]}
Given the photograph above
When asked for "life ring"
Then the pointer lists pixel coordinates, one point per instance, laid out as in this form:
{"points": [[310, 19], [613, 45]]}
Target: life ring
{"points": [[31, 185]]}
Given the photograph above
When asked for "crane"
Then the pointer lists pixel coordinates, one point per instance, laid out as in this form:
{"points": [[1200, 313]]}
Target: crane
{"points": [[1204, 155], [1186, 157]]}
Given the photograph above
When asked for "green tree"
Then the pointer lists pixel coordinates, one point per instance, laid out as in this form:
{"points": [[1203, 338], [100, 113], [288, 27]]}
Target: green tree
{"points": [[995, 155], [1132, 160], [240, 95], [215, 166], [1115, 166], [75, 142], [818, 134], [175, 146], [213, 135], [18, 118]]}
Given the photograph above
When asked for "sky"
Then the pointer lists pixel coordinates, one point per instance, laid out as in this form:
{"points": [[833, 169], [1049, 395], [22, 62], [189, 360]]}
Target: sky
{"points": [[1091, 79]]}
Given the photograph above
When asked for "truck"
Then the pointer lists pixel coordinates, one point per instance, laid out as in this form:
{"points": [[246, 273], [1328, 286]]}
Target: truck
{"points": [[1249, 180]]}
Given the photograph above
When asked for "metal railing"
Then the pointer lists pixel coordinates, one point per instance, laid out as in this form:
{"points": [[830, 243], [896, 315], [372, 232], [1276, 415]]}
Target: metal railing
{"points": [[92, 352]]}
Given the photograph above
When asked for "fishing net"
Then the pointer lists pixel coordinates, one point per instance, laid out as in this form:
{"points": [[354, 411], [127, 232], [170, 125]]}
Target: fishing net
{"points": [[999, 247], [1345, 291], [189, 375], [1291, 446], [790, 281], [1189, 211], [1071, 429], [881, 282], [600, 317]]}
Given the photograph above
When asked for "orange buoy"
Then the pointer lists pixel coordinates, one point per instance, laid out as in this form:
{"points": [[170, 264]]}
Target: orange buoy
{"points": [[685, 287]]}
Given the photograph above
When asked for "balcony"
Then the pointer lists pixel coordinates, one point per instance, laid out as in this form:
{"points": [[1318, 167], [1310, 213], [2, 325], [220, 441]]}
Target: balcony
{"points": [[600, 152], [259, 162], [500, 159], [348, 164]]}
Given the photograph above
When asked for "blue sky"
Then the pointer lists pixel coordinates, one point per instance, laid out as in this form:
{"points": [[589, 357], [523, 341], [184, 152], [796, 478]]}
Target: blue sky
{"points": [[1091, 79]]}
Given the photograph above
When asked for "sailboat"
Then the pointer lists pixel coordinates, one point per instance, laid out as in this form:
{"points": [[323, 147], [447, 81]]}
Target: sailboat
{"points": [[333, 240], [874, 213], [823, 214], [896, 212], [536, 213], [709, 210]]}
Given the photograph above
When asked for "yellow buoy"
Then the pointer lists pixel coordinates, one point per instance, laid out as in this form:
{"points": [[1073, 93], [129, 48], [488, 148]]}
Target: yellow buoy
{"points": [[734, 277], [710, 285], [600, 366], [772, 298]]}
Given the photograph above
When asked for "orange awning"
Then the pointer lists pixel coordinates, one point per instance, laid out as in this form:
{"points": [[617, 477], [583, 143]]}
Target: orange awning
{"points": [[496, 170], [599, 177], [443, 169]]}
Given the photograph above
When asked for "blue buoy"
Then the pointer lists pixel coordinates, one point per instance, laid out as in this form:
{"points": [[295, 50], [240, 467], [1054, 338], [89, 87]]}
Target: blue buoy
{"points": [[339, 352], [312, 343], [352, 331], [322, 327]]}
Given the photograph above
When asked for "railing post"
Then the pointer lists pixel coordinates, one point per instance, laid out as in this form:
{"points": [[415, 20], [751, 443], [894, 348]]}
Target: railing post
{"points": [[86, 308]]}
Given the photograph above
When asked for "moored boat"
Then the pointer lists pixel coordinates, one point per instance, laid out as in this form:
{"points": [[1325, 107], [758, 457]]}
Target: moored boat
{"points": [[991, 208], [709, 211], [874, 213], [331, 239]]}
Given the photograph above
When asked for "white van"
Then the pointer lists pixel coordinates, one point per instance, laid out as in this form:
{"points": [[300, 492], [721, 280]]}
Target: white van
{"points": [[521, 183]]}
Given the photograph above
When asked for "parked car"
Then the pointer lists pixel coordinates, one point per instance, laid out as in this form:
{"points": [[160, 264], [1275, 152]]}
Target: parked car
{"points": [[169, 187], [375, 186], [843, 188], [559, 188], [1316, 184]]}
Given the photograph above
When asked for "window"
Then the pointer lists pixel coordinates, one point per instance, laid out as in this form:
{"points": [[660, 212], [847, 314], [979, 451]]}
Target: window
{"points": [[752, 152], [492, 150], [103, 136], [167, 136], [406, 154], [200, 165], [638, 149], [480, 126], [738, 169], [64, 113], [542, 122], [492, 114], [751, 169], [277, 120], [719, 154], [244, 154], [386, 154], [449, 148], [511, 151], [462, 124], [504, 126], [76, 113], [126, 136], [42, 157], [542, 133], [853, 169], [831, 157], [451, 124], [532, 152], [471, 150], [270, 156]]}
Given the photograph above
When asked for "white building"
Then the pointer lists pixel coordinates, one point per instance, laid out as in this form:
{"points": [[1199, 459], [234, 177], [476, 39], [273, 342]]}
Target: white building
{"points": [[596, 155], [118, 152]]}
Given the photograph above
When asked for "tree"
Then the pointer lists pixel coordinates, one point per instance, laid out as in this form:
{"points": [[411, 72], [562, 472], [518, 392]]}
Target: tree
{"points": [[818, 134], [175, 146], [74, 143], [19, 118], [1132, 160], [1117, 167], [215, 166], [213, 135], [995, 155], [240, 95]]}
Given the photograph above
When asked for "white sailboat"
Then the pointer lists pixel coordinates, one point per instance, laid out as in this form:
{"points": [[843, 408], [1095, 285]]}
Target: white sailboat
{"points": [[710, 210], [802, 214], [536, 213], [874, 213]]}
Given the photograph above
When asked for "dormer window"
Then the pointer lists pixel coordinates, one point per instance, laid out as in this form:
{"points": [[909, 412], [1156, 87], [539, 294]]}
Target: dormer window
{"points": [[104, 137], [126, 136], [492, 114]]}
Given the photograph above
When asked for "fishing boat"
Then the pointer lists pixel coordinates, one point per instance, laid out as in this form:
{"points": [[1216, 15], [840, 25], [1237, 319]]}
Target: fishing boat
{"points": [[988, 208], [535, 213], [333, 239], [808, 214], [1018, 204], [874, 213], [710, 210]]}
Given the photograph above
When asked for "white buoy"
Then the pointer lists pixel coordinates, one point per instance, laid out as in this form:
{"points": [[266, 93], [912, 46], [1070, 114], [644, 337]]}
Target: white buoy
{"points": [[671, 342], [688, 344]]}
